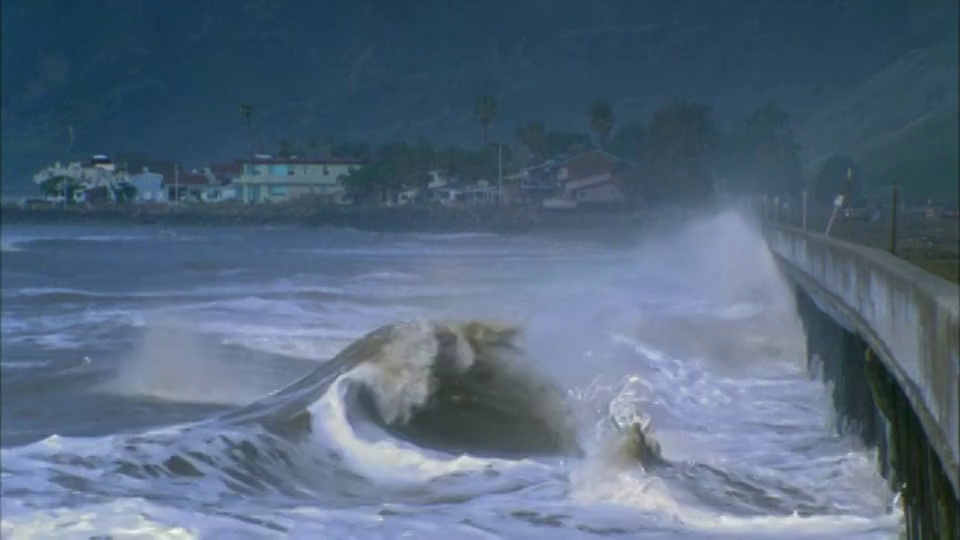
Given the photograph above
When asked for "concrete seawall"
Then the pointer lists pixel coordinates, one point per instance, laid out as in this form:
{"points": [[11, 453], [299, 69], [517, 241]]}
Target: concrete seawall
{"points": [[892, 311]]}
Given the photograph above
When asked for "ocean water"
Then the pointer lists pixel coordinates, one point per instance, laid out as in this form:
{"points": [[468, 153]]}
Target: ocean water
{"points": [[127, 352]]}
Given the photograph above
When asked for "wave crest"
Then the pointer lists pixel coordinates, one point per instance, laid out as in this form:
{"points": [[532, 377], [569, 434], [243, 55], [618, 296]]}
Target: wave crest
{"points": [[457, 387]]}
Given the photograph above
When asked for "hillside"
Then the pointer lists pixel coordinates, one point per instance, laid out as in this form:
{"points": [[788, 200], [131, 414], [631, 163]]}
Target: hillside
{"points": [[923, 159], [167, 77], [920, 87], [900, 124]]}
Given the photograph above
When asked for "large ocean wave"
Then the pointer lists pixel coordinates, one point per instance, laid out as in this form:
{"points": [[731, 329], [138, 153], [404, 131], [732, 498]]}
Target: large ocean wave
{"points": [[685, 402]]}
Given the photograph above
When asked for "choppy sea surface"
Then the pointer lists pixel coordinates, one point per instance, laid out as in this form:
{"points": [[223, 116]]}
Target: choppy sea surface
{"points": [[123, 348]]}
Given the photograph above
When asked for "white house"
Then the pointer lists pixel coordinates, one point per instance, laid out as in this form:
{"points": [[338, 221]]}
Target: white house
{"points": [[595, 177], [220, 194], [99, 171], [600, 188], [150, 188], [266, 179], [440, 178]]}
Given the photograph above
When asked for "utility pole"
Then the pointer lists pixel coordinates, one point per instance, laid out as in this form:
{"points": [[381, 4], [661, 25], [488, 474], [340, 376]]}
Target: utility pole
{"points": [[804, 210], [848, 193], [837, 204], [176, 183], [893, 219], [500, 174]]}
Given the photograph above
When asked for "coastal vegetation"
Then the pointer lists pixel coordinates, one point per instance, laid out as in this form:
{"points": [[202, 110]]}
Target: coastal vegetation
{"points": [[690, 157], [686, 156]]}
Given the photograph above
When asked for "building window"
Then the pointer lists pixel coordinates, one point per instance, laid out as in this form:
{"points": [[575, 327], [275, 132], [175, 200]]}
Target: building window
{"points": [[326, 171], [278, 191], [291, 171]]}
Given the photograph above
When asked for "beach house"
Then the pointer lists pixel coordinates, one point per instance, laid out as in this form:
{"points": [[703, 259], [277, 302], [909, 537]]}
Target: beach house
{"points": [[267, 179], [592, 178], [149, 186]]}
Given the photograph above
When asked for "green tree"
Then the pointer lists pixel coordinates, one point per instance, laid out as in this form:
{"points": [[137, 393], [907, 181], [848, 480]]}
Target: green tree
{"points": [[533, 138], [628, 140], [540, 143], [312, 146], [766, 145], [457, 161], [60, 186], [681, 143], [367, 183], [566, 142], [246, 114], [601, 120], [681, 131], [485, 112], [125, 192], [395, 167], [286, 150], [328, 147]]}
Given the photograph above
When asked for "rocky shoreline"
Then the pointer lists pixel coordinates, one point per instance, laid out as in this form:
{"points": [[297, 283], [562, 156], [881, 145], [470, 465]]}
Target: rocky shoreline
{"points": [[377, 219]]}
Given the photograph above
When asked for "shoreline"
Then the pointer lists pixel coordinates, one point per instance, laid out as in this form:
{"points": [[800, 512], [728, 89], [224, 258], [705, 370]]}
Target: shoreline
{"points": [[512, 219]]}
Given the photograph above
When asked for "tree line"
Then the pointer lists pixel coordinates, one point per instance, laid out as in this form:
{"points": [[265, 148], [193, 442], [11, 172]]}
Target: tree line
{"points": [[685, 154], [681, 144]]}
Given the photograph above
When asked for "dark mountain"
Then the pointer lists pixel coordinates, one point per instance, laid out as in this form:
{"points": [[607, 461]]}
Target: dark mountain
{"points": [[167, 76]]}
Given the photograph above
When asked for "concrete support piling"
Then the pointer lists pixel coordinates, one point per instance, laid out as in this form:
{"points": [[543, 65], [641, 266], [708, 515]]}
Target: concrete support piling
{"points": [[869, 403]]}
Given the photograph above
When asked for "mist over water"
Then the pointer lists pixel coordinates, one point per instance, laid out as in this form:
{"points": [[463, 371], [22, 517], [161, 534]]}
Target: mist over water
{"points": [[123, 361], [172, 362]]}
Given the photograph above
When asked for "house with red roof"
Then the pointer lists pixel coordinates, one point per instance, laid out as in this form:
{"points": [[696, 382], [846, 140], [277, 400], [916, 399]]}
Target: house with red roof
{"points": [[592, 178], [186, 186]]}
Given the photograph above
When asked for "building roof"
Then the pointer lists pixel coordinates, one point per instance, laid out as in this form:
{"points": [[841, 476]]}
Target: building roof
{"points": [[299, 161], [144, 174], [227, 170], [186, 179], [591, 163], [590, 181], [136, 162], [225, 173]]}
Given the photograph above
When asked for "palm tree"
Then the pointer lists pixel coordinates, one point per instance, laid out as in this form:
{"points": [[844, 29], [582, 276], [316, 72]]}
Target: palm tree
{"points": [[485, 111], [601, 120], [246, 113]]}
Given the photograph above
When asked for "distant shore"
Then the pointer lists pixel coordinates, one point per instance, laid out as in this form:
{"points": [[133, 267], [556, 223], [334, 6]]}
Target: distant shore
{"points": [[377, 219]]}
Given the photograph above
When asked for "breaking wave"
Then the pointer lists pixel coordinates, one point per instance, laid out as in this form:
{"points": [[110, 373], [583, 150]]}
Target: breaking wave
{"points": [[437, 411], [410, 402], [9, 247]]}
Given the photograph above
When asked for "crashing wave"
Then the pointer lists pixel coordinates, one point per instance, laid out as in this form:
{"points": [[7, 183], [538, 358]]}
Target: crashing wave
{"points": [[408, 402], [461, 388]]}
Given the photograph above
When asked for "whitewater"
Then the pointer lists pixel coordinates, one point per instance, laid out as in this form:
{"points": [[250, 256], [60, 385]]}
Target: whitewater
{"points": [[254, 382]]}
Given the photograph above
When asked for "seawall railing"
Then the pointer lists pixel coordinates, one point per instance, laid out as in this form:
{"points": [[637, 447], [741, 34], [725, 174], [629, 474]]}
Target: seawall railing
{"points": [[886, 334]]}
